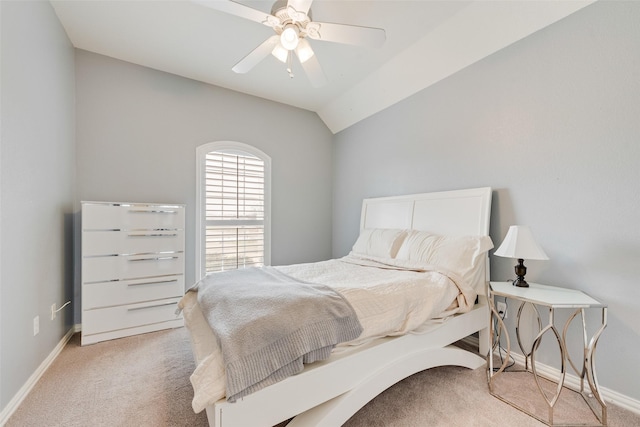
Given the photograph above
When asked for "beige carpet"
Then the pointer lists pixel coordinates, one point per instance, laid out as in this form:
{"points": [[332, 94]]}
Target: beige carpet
{"points": [[144, 381]]}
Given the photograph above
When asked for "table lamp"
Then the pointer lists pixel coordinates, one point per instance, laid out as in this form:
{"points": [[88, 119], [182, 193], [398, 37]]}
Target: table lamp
{"points": [[520, 244]]}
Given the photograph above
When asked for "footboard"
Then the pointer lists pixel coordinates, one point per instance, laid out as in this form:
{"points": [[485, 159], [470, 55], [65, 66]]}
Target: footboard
{"points": [[355, 376]]}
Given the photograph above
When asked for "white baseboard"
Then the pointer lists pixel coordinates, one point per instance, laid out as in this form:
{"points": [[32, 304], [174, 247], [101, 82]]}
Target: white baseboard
{"points": [[573, 382], [33, 379]]}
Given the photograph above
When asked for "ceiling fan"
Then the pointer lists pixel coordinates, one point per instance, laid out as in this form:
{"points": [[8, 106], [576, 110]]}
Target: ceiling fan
{"points": [[291, 21]]}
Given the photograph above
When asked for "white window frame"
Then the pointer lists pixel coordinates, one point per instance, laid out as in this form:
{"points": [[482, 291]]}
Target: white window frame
{"points": [[228, 147]]}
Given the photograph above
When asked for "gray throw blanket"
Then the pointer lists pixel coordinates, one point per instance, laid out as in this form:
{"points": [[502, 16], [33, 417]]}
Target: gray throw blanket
{"points": [[269, 324]]}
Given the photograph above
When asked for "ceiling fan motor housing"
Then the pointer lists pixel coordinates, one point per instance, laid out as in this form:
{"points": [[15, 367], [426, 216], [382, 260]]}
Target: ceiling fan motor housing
{"points": [[281, 10]]}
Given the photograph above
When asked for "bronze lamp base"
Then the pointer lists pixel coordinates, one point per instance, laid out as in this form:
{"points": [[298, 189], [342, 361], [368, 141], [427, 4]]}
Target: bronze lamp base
{"points": [[520, 270]]}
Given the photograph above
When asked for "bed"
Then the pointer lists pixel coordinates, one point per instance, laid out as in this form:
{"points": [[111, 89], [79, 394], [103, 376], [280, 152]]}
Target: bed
{"points": [[328, 392]]}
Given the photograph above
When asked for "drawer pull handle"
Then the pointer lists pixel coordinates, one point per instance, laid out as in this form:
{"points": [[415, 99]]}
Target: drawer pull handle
{"points": [[152, 211], [153, 235], [153, 283], [157, 258], [152, 306]]}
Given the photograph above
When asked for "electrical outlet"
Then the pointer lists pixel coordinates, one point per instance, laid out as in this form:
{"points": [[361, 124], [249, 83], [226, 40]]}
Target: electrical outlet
{"points": [[53, 311], [36, 325], [502, 309]]}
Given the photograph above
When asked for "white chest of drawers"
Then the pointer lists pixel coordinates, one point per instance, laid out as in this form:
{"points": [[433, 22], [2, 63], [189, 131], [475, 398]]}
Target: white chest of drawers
{"points": [[132, 268]]}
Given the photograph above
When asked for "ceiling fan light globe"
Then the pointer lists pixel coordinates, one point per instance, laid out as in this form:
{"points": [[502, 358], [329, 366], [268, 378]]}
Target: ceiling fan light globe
{"points": [[289, 37], [280, 52], [304, 51]]}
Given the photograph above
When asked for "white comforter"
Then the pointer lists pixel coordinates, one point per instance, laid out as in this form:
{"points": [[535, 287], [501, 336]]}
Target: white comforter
{"points": [[390, 298]]}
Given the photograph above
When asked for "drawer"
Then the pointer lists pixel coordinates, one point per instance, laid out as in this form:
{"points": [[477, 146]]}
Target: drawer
{"points": [[128, 316], [107, 294], [131, 242], [105, 268], [131, 216]]}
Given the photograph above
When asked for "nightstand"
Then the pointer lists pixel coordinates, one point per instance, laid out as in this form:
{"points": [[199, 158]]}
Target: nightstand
{"points": [[552, 299]]}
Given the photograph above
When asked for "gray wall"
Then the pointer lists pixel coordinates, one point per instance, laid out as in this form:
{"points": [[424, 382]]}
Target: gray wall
{"points": [[552, 124], [137, 133], [37, 191]]}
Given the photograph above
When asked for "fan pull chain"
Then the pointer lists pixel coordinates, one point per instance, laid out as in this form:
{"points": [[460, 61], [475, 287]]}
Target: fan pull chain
{"points": [[289, 64]]}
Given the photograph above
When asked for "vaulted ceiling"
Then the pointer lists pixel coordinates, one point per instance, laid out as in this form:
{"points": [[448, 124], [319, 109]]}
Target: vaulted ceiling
{"points": [[426, 41]]}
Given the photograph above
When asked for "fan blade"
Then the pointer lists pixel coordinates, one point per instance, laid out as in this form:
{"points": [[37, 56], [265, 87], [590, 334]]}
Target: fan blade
{"points": [[347, 34], [238, 9], [256, 55], [312, 67], [300, 5]]}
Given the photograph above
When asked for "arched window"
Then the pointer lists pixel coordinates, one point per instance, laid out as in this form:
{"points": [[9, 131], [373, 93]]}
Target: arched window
{"points": [[233, 207]]}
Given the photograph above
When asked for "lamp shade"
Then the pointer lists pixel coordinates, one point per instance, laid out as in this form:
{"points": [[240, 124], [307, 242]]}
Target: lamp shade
{"points": [[519, 243]]}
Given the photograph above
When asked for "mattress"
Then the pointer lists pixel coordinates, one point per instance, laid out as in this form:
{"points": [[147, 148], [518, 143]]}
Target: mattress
{"points": [[390, 298]]}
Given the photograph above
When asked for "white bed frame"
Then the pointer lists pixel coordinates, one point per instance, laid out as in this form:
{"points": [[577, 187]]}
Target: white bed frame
{"points": [[328, 393]]}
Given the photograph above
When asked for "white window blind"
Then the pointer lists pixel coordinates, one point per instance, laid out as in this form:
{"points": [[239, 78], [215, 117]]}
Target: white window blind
{"points": [[234, 211]]}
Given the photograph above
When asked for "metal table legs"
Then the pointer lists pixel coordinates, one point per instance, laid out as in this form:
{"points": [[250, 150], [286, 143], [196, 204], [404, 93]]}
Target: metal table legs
{"points": [[584, 369]]}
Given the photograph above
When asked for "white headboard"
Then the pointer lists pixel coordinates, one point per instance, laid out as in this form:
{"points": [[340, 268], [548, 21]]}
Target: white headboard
{"points": [[448, 213], [451, 213]]}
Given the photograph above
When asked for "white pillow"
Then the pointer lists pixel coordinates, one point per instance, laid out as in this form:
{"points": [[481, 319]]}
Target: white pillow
{"points": [[465, 256], [379, 242]]}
